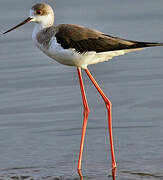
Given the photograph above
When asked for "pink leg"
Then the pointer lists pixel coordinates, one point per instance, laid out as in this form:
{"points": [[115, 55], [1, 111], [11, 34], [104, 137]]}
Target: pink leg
{"points": [[109, 109], [86, 113]]}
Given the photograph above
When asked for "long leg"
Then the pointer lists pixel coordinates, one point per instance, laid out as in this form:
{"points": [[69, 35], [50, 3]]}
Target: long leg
{"points": [[109, 109], [86, 113]]}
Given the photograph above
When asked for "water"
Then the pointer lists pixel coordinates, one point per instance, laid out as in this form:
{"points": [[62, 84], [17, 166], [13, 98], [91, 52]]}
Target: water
{"points": [[40, 101]]}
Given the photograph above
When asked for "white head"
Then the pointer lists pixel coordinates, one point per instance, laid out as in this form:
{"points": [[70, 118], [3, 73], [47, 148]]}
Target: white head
{"points": [[43, 14], [40, 13]]}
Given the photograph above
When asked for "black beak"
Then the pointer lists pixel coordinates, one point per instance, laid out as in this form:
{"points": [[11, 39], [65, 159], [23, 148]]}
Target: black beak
{"points": [[22, 23]]}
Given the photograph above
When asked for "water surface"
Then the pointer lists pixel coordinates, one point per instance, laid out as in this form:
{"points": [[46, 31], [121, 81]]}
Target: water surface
{"points": [[40, 101]]}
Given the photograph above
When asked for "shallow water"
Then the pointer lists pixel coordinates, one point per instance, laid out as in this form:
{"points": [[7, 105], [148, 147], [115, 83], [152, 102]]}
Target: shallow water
{"points": [[40, 101]]}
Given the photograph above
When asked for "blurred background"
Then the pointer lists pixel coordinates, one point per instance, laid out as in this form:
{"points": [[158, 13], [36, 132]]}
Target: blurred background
{"points": [[40, 100]]}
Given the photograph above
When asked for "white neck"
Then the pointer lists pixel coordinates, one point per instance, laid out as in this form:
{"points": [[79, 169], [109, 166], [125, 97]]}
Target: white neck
{"points": [[38, 27]]}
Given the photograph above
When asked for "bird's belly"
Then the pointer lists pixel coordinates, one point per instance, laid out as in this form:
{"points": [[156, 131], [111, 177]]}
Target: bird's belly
{"points": [[71, 58]]}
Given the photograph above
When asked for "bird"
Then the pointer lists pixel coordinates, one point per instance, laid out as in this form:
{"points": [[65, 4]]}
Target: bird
{"points": [[79, 46]]}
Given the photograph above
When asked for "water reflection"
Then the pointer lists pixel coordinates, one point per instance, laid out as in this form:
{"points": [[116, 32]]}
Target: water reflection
{"points": [[33, 174], [80, 174], [113, 174]]}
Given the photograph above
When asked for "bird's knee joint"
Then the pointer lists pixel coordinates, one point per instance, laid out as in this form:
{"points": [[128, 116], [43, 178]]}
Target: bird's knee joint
{"points": [[108, 104], [86, 110]]}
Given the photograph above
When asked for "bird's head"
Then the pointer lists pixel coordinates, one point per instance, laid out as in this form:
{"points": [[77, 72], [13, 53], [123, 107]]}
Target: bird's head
{"points": [[40, 13]]}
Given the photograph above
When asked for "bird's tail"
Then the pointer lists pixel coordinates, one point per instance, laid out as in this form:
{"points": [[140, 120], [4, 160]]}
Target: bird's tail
{"points": [[147, 44], [151, 44]]}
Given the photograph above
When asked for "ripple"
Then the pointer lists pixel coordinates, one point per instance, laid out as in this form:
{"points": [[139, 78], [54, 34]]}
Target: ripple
{"points": [[143, 174]]}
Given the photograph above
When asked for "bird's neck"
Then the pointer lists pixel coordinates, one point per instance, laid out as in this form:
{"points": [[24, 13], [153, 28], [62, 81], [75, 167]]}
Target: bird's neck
{"points": [[37, 28]]}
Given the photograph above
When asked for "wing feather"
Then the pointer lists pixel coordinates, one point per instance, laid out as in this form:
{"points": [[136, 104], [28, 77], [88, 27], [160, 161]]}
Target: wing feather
{"points": [[83, 40]]}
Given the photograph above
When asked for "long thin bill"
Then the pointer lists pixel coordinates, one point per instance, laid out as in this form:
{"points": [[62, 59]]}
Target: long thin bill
{"points": [[22, 23]]}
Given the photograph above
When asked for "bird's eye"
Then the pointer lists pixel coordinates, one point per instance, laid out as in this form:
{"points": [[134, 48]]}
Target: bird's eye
{"points": [[38, 12]]}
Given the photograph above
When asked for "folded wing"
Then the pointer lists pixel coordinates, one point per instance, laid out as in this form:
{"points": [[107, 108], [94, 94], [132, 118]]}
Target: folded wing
{"points": [[84, 40]]}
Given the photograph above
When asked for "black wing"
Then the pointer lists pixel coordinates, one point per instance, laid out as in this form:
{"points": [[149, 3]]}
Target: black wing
{"points": [[83, 40]]}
